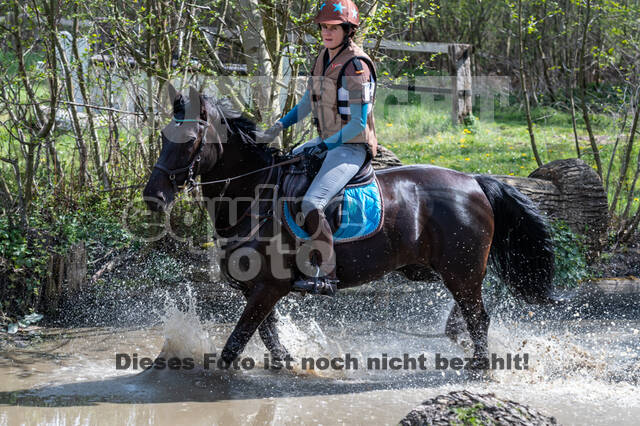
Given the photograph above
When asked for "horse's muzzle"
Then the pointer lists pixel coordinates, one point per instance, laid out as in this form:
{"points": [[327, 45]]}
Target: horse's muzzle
{"points": [[156, 202]]}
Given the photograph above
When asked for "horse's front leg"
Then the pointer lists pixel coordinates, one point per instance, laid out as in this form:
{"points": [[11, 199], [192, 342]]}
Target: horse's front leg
{"points": [[260, 302], [269, 334]]}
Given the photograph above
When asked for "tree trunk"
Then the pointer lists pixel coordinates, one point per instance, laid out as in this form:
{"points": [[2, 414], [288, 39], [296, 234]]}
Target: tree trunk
{"points": [[66, 276], [257, 57], [93, 134], [569, 61], [75, 121], [523, 86], [626, 159], [630, 196], [583, 92], [573, 115], [545, 72]]}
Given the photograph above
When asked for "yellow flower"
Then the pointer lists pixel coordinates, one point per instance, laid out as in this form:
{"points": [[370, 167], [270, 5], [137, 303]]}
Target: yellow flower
{"points": [[635, 199], [524, 155], [462, 140], [467, 131], [487, 155], [389, 124], [467, 159], [510, 174]]}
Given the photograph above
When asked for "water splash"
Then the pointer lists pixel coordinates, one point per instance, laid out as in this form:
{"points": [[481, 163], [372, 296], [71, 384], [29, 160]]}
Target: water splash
{"points": [[185, 334]]}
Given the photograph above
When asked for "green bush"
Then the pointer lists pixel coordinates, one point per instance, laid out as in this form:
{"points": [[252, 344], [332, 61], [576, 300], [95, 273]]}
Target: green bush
{"points": [[54, 225], [570, 256]]}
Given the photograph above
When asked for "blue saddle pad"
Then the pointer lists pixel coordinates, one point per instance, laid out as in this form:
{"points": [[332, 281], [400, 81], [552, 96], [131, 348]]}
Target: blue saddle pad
{"points": [[361, 214]]}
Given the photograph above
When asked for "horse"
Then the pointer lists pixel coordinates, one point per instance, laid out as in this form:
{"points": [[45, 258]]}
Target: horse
{"points": [[436, 220]]}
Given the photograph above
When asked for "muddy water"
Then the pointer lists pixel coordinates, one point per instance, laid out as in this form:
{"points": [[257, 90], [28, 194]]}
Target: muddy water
{"points": [[582, 371]]}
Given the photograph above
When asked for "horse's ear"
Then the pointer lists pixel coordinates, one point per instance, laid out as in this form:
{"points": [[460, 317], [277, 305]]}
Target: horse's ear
{"points": [[173, 93], [193, 106], [175, 97], [195, 96]]}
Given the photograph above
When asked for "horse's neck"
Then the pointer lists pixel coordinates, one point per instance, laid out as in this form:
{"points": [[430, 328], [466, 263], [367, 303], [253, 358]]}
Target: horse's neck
{"points": [[238, 187], [243, 188]]}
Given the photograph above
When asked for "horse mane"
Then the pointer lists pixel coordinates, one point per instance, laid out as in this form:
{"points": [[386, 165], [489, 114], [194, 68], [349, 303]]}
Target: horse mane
{"points": [[238, 124]]}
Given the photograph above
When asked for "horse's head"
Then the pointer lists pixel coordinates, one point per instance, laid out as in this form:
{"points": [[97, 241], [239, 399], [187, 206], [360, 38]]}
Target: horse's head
{"points": [[191, 145]]}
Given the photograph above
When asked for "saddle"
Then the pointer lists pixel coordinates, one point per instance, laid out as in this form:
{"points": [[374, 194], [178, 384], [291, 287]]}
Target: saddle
{"points": [[297, 179]]}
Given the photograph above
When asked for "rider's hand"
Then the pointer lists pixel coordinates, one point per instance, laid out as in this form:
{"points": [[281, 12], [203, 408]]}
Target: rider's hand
{"points": [[315, 150], [272, 132]]}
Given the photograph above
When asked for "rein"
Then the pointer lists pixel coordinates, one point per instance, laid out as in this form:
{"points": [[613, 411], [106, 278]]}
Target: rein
{"points": [[190, 182], [256, 200], [273, 166]]}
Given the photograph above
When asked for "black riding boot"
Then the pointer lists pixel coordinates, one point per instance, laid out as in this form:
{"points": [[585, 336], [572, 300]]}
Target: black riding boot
{"points": [[319, 230]]}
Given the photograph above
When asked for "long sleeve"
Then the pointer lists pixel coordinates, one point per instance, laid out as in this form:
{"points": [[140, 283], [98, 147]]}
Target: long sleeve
{"points": [[355, 126], [300, 111]]}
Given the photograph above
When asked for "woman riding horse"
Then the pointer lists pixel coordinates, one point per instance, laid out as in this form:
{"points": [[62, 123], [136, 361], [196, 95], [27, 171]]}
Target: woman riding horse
{"points": [[341, 94], [435, 219]]}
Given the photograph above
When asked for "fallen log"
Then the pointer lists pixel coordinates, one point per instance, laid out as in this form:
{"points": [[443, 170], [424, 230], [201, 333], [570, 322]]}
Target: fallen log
{"points": [[568, 190], [571, 191]]}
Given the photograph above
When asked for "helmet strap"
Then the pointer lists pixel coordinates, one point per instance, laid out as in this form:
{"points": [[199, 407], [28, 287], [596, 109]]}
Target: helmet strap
{"points": [[348, 34], [347, 37]]}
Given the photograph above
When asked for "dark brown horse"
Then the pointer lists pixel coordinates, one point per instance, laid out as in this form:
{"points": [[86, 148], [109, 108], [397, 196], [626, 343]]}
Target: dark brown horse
{"points": [[435, 219]]}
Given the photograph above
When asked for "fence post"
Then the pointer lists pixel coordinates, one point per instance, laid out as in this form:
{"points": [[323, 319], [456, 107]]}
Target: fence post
{"points": [[461, 94]]}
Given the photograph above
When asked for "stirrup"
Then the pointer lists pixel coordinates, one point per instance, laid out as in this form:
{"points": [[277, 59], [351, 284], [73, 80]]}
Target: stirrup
{"points": [[314, 285]]}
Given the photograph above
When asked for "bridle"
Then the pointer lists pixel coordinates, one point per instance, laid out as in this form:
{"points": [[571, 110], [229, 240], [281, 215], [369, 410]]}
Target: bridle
{"points": [[190, 182], [193, 169]]}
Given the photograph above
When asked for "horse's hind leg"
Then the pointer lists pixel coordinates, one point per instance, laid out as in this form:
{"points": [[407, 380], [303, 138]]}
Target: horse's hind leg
{"points": [[455, 324], [467, 292]]}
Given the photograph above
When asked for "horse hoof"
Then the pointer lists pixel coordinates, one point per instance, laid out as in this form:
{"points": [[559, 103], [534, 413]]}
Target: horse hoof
{"points": [[479, 363], [465, 344]]}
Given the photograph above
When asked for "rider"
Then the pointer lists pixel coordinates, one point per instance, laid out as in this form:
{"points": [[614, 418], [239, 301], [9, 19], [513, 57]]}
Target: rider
{"points": [[340, 95]]}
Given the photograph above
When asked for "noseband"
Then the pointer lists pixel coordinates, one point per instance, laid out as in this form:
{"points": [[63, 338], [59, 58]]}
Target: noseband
{"points": [[190, 182]]}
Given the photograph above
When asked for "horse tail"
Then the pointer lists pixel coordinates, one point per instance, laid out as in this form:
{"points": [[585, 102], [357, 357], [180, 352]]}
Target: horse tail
{"points": [[521, 250]]}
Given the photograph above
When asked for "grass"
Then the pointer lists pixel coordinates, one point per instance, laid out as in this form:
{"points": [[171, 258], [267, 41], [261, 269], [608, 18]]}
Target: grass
{"points": [[424, 134], [467, 415]]}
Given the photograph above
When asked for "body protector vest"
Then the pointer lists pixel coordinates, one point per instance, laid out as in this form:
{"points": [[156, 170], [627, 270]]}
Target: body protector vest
{"points": [[330, 99]]}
